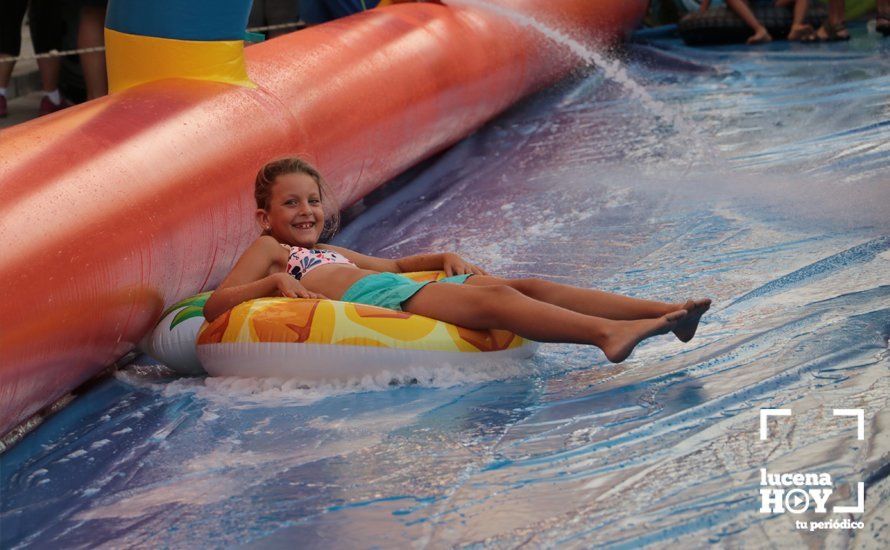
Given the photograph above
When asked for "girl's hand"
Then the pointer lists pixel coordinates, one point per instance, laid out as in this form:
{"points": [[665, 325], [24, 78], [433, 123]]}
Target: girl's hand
{"points": [[455, 265], [292, 288]]}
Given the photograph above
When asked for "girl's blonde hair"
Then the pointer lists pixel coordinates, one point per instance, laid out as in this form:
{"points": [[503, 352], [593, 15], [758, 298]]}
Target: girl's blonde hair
{"points": [[265, 180]]}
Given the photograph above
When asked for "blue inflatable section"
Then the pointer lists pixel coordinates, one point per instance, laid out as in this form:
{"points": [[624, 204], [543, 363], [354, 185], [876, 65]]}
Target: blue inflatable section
{"points": [[207, 19]]}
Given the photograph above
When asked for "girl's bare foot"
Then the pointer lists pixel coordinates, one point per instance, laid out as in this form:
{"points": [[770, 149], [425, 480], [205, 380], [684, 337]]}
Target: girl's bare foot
{"points": [[687, 326], [761, 36], [627, 334]]}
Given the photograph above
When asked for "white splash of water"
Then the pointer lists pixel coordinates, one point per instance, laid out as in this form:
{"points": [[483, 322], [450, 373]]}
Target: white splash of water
{"points": [[250, 393], [611, 68]]}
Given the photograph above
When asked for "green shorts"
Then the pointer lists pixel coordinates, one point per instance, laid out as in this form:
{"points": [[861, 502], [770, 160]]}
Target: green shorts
{"points": [[389, 290]]}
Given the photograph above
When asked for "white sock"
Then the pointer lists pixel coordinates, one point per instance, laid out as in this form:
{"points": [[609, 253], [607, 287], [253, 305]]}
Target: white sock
{"points": [[3, 92], [54, 96]]}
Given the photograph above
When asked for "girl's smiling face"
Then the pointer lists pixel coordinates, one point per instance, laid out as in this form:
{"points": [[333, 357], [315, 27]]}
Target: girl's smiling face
{"points": [[295, 214]]}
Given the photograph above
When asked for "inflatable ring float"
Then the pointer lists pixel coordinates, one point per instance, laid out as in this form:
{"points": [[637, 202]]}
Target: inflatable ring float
{"points": [[319, 340]]}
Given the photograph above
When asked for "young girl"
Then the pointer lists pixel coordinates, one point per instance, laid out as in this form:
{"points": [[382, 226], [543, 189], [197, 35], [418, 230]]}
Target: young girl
{"points": [[287, 260]]}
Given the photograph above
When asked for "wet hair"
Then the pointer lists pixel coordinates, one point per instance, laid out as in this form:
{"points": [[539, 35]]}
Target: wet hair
{"points": [[265, 180]]}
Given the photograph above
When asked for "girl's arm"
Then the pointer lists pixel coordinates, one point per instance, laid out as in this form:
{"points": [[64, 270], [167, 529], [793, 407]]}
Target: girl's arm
{"points": [[450, 263], [250, 279]]}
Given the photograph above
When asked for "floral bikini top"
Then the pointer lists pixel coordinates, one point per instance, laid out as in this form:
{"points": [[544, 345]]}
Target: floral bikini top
{"points": [[303, 260]]}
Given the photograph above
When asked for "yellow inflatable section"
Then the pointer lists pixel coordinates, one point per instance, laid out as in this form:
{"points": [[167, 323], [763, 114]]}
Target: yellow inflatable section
{"points": [[220, 61]]}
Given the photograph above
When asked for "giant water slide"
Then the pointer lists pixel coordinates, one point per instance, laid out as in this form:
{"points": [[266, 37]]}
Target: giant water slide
{"points": [[114, 209]]}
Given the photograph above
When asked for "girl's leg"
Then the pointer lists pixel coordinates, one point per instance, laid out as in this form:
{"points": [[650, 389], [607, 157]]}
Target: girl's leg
{"points": [[502, 307], [583, 300], [602, 304], [743, 10]]}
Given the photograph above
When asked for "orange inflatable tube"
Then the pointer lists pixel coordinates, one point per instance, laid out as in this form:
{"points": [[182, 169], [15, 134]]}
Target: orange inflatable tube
{"points": [[112, 209]]}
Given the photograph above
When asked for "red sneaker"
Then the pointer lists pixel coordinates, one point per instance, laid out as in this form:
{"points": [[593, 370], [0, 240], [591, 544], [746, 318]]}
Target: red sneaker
{"points": [[3, 111], [47, 106]]}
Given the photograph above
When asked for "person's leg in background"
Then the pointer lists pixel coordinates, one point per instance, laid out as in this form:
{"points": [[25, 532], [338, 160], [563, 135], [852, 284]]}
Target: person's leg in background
{"points": [[833, 28], [882, 23], [47, 28], [314, 12], [280, 12], [743, 10], [91, 33], [800, 31], [265, 13], [11, 14]]}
